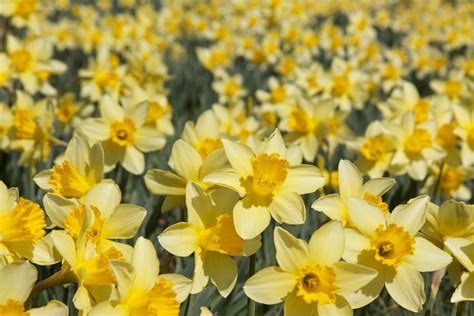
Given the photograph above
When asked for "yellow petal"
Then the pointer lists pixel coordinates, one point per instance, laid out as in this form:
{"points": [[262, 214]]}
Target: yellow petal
{"points": [[239, 156], [145, 263], [226, 177], [53, 308], [123, 273], [200, 278], [411, 216], [332, 206], [303, 179], [58, 208], [274, 144], [65, 246], [222, 271], [270, 285], [365, 216], [378, 186], [288, 207], [407, 288], [250, 220], [180, 239], [20, 278], [323, 252], [294, 305], [351, 277], [350, 180], [106, 196], [111, 110], [463, 250], [107, 308], [427, 257], [355, 244], [124, 222], [181, 285], [149, 139], [164, 182], [292, 253], [465, 290], [133, 160], [341, 307], [185, 160]]}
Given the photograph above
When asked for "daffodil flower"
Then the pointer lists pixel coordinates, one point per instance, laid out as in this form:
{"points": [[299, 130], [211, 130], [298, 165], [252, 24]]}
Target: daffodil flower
{"points": [[389, 244], [81, 168], [270, 182], [123, 134], [187, 164], [141, 289], [463, 249], [311, 279], [20, 278], [351, 184], [22, 229], [211, 236], [111, 220]]}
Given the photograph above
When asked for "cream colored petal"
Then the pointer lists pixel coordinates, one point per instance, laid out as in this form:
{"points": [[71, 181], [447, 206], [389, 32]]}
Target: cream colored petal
{"points": [[111, 110], [40, 253], [427, 257], [96, 163], [201, 212], [288, 207], [145, 263], [124, 222], [164, 182], [222, 271], [107, 308], [331, 205], [351, 277], [410, 216], [172, 201], [303, 179], [148, 139], [95, 129], [270, 285], [58, 208], [65, 246], [81, 298], [275, 144], [324, 252], [454, 217], [185, 160], [341, 307], [214, 161], [19, 278], [133, 161], [350, 180], [106, 196], [367, 293], [200, 278], [41, 179], [138, 113], [292, 253], [294, 305], [181, 285], [463, 250], [354, 245], [77, 153], [226, 177], [250, 221], [366, 216], [180, 239], [378, 186], [53, 308], [407, 288], [465, 290], [123, 273], [239, 156]]}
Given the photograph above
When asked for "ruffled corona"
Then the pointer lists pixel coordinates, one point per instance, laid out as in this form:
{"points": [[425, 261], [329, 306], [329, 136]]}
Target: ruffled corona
{"points": [[317, 285], [25, 222], [222, 237], [391, 244], [67, 181]]}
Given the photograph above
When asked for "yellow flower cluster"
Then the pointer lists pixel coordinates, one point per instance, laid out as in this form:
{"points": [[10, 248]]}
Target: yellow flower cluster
{"points": [[214, 137]]}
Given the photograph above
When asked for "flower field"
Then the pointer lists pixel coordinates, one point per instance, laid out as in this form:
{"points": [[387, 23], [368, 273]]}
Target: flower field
{"points": [[250, 157]]}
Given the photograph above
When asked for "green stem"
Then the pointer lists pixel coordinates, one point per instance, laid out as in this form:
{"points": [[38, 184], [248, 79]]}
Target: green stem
{"points": [[455, 309], [251, 303], [438, 181], [188, 308], [436, 282]]}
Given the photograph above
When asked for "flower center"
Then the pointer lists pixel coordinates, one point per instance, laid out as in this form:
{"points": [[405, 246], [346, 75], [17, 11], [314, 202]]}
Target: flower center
{"points": [[317, 285], [25, 8], [416, 142], [123, 133], [445, 135], [299, 121], [97, 269], [21, 60], [156, 111], [222, 237], [160, 300], [231, 88], [106, 79], [451, 179], [25, 222], [13, 308], [391, 244], [25, 125], [421, 110], [75, 221], [377, 200], [67, 181], [269, 172], [278, 94], [207, 146], [374, 149], [452, 89], [66, 111], [340, 86], [391, 72]]}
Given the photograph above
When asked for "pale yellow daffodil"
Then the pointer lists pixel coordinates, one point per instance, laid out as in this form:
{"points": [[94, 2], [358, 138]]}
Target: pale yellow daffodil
{"points": [[463, 249]]}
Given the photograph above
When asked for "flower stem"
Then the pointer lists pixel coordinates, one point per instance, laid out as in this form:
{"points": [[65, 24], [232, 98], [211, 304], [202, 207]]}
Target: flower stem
{"points": [[437, 277], [438, 181], [251, 303], [454, 311]]}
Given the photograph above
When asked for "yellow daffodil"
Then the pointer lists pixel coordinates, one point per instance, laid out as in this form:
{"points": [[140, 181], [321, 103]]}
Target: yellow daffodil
{"points": [[311, 279], [141, 289], [350, 180], [5, 125], [188, 166], [22, 229], [81, 169], [20, 277], [211, 236], [462, 249], [123, 134], [270, 182], [465, 130], [111, 220], [389, 245]]}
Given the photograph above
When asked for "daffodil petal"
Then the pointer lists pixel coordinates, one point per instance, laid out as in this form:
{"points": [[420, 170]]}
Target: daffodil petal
{"points": [[250, 220], [164, 182], [106, 196], [20, 278], [270, 285], [410, 216], [465, 290], [124, 222], [145, 263], [53, 308], [355, 244], [407, 288], [350, 180], [378, 186], [288, 207], [58, 208], [295, 305], [365, 216], [133, 161], [180, 239], [427, 257], [340, 307], [303, 179], [239, 156], [331, 205], [149, 139], [181, 285], [463, 250], [351, 277], [291, 253], [222, 271], [226, 177], [325, 253]]}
